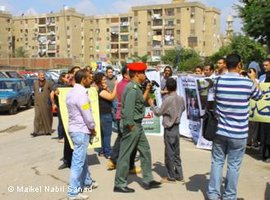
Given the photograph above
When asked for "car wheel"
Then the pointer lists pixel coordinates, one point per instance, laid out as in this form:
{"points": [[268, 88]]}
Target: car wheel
{"points": [[29, 103], [14, 108]]}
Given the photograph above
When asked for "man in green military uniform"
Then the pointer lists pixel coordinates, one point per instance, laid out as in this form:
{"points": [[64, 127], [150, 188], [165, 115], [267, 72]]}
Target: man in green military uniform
{"points": [[133, 137]]}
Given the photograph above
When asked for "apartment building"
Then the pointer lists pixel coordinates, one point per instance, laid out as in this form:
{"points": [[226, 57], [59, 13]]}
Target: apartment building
{"points": [[108, 38], [51, 35], [5, 34], [180, 24], [144, 30]]}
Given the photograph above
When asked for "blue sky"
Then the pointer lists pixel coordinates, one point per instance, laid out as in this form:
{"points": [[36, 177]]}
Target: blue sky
{"points": [[99, 7]]}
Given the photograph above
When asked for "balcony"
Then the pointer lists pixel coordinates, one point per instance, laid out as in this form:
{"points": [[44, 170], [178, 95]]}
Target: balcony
{"points": [[114, 39], [169, 40], [124, 24], [124, 29], [114, 51], [124, 38], [157, 24], [124, 50]]}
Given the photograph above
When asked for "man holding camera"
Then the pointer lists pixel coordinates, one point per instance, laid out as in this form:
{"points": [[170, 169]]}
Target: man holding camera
{"points": [[81, 126], [233, 93], [132, 113]]}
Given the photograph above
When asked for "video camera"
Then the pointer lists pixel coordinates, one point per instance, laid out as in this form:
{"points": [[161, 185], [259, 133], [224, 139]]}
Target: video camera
{"points": [[153, 87]]}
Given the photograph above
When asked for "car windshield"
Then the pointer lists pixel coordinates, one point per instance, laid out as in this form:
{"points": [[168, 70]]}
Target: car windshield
{"points": [[8, 86]]}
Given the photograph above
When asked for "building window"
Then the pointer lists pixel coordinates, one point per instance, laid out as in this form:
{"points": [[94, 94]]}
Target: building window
{"points": [[42, 20], [156, 53], [67, 27], [124, 38], [192, 42], [178, 10], [178, 21], [135, 13], [68, 36], [169, 12], [68, 18], [115, 20], [178, 32]]}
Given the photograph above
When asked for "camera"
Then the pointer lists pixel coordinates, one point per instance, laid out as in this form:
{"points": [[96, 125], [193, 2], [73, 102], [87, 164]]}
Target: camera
{"points": [[152, 90], [153, 87]]}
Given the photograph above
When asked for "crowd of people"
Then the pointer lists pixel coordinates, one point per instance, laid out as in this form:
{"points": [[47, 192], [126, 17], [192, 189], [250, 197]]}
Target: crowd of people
{"points": [[124, 103]]}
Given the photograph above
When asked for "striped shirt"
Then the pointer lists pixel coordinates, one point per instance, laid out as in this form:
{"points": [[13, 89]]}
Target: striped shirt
{"points": [[232, 97]]}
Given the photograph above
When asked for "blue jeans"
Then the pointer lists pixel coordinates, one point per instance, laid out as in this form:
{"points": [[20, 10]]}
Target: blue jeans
{"points": [[79, 173], [234, 149], [106, 133]]}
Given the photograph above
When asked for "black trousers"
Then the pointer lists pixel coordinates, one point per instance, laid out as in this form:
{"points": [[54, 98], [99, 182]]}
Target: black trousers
{"points": [[265, 140], [172, 152], [116, 149], [67, 152]]}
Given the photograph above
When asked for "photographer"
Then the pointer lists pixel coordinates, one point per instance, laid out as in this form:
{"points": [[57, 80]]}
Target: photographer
{"points": [[171, 110]]}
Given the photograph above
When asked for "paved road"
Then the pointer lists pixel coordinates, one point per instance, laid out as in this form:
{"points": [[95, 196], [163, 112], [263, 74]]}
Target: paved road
{"points": [[28, 169]]}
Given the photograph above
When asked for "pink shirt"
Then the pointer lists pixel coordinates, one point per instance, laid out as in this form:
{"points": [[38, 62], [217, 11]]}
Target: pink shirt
{"points": [[119, 91], [79, 110]]}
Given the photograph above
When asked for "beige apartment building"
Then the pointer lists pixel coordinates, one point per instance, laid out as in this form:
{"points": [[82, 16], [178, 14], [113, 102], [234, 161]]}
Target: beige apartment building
{"points": [[5, 34], [144, 30], [51, 35]]}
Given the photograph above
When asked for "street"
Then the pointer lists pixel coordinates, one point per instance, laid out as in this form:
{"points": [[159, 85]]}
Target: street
{"points": [[29, 168]]}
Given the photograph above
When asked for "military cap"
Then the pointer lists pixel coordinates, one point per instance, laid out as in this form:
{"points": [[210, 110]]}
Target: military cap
{"points": [[137, 66]]}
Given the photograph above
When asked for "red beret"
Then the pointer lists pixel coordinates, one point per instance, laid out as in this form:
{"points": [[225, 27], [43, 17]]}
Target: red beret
{"points": [[137, 66]]}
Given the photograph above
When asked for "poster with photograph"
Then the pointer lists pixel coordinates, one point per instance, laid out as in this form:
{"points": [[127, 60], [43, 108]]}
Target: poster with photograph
{"points": [[205, 93], [192, 105], [184, 123]]}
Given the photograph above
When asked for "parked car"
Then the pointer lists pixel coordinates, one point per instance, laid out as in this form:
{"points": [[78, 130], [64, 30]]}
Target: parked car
{"points": [[58, 71], [14, 93], [10, 74], [30, 82]]}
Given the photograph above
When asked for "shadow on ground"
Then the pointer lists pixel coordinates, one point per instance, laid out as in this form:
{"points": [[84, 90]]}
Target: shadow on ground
{"points": [[198, 183], [93, 159], [267, 192], [160, 169]]}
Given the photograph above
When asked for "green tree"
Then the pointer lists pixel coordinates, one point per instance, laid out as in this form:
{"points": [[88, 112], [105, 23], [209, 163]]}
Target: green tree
{"points": [[248, 48], [21, 53], [256, 19], [188, 59]]}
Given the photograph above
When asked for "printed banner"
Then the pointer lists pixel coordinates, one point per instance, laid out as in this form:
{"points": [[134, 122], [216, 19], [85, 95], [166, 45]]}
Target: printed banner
{"points": [[184, 122], [260, 110], [92, 92], [195, 92], [204, 87], [151, 123], [192, 106]]}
